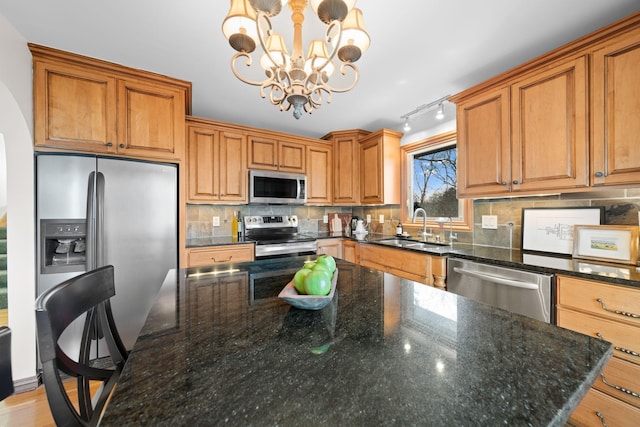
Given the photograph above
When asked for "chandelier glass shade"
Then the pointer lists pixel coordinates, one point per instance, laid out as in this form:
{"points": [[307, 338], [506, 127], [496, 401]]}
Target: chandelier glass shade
{"points": [[295, 79]]}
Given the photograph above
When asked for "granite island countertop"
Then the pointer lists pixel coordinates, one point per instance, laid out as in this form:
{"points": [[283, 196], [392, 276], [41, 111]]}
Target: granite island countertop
{"points": [[219, 347]]}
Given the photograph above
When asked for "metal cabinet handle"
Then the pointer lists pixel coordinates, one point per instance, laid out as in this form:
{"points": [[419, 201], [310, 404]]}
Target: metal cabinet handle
{"points": [[109, 144], [621, 313], [620, 349], [503, 183], [516, 182], [599, 174], [599, 415], [222, 260], [121, 145], [617, 387]]}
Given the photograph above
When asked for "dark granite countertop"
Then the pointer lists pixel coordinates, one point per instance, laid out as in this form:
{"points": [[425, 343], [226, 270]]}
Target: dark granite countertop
{"points": [[219, 348], [198, 242]]}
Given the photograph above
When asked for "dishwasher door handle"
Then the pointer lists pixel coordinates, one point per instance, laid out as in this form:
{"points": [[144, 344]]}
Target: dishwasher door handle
{"points": [[497, 279]]}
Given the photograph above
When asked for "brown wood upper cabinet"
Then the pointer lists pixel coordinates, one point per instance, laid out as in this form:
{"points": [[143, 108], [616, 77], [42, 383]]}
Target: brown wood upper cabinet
{"points": [[87, 105], [527, 137], [380, 168], [346, 165], [615, 106], [319, 182], [216, 163], [566, 121], [271, 154]]}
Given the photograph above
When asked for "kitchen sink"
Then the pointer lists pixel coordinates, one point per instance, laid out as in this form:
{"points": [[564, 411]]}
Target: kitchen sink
{"points": [[415, 245]]}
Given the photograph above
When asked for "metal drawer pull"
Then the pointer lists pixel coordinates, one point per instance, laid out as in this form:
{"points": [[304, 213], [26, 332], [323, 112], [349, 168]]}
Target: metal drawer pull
{"points": [[617, 387], [604, 423], [222, 260], [615, 347], [622, 313]]}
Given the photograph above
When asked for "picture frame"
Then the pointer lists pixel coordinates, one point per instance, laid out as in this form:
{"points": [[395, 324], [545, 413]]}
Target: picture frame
{"points": [[550, 230], [609, 243]]}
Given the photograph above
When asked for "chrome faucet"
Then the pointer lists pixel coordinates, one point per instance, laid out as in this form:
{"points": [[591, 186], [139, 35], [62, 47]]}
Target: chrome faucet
{"points": [[424, 221]]}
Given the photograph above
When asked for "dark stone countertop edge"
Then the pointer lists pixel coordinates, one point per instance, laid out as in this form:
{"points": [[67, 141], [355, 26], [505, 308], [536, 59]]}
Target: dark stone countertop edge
{"points": [[510, 258]]}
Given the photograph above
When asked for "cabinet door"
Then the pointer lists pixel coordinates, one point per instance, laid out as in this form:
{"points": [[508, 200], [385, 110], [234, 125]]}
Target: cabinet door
{"points": [[346, 166], [75, 109], [319, 175], [263, 153], [550, 132], [371, 170], [350, 251], [232, 167], [151, 120], [202, 154], [616, 102], [484, 147], [291, 157], [331, 247]]}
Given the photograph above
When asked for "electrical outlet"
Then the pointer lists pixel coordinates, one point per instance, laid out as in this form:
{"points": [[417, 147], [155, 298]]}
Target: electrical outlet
{"points": [[381, 219], [216, 221], [490, 222], [325, 219], [368, 219]]}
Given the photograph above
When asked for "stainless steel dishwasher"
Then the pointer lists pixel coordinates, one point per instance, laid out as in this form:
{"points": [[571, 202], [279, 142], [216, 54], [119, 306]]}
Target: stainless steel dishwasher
{"points": [[523, 292]]}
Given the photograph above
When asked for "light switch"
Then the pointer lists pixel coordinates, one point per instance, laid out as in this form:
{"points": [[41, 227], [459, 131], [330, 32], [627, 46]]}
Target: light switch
{"points": [[368, 219], [325, 219], [490, 222], [216, 221]]}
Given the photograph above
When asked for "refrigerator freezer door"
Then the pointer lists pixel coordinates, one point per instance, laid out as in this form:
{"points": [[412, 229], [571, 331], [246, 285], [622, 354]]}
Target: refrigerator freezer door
{"points": [[140, 235]]}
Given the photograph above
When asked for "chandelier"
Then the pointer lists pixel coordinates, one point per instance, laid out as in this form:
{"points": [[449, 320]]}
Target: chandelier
{"points": [[295, 80]]}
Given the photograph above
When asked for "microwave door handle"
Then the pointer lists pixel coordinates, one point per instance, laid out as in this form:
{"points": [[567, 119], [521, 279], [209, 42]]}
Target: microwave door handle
{"points": [[496, 279]]}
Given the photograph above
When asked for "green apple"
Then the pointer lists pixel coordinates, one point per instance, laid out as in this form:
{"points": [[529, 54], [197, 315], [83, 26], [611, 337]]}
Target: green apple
{"points": [[328, 261], [299, 278], [318, 282], [309, 264]]}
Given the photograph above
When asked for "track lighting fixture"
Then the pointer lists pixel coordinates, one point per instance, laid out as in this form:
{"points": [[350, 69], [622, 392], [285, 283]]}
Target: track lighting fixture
{"points": [[425, 107]]}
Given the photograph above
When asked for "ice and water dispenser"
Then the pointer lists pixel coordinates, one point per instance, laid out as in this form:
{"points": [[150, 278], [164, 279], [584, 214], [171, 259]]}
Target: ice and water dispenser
{"points": [[63, 245]]}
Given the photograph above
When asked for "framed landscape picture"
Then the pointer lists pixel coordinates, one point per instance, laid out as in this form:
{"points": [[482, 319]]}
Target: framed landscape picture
{"points": [[550, 230], [611, 243]]}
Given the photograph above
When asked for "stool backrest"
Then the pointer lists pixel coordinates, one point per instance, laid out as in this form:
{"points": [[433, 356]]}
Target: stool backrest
{"points": [[85, 295], [6, 379]]}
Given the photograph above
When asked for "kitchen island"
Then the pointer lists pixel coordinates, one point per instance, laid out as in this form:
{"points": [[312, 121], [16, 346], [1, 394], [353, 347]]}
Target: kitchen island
{"points": [[219, 347]]}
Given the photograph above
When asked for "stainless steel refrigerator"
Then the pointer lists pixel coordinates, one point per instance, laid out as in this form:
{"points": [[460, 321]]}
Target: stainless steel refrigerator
{"points": [[94, 211]]}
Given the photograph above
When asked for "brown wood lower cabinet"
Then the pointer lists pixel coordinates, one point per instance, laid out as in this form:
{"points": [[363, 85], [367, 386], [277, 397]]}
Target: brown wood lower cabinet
{"points": [[350, 251], [608, 312], [212, 255], [331, 247], [407, 264]]}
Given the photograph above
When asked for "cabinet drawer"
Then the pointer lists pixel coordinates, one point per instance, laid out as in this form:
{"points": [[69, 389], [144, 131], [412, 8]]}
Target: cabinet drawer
{"points": [[625, 338], [620, 379], [219, 255], [396, 260], [611, 301], [613, 411]]}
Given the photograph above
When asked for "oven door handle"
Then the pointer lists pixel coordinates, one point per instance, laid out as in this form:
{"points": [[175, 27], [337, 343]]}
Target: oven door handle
{"points": [[500, 280]]}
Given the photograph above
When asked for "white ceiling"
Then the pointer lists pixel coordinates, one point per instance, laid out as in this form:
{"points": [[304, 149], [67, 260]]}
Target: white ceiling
{"points": [[420, 50]]}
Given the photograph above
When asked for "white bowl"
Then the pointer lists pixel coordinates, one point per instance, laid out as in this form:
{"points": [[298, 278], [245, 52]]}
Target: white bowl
{"points": [[290, 295]]}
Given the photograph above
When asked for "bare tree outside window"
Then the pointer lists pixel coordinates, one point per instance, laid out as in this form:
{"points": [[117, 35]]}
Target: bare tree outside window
{"points": [[434, 182]]}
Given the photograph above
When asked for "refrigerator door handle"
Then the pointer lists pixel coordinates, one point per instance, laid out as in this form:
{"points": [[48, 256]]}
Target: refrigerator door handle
{"points": [[100, 220], [91, 235]]}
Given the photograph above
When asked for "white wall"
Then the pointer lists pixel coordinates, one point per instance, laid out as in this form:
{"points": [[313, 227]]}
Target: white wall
{"points": [[16, 124]]}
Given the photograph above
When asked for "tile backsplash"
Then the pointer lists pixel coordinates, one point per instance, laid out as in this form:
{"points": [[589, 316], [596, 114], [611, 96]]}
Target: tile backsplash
{"points": [[621, 208]]}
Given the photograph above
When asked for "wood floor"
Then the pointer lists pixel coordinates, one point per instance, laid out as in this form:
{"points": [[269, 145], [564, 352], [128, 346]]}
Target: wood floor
{"points": [[31, 409]]}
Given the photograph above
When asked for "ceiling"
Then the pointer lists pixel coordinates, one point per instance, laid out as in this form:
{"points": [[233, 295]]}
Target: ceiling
{"points": [[420, 50]]}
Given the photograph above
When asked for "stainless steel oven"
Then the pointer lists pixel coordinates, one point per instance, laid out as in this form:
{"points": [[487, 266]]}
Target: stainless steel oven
{"points": [[277, 236], [524, 292]]}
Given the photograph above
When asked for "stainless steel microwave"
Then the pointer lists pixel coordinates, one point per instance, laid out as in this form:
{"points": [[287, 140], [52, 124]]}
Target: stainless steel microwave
{"points": [[270, 187]]}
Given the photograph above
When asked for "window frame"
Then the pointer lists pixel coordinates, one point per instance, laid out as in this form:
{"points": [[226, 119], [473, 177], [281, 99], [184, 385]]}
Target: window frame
{"points": [[408, 151]]}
